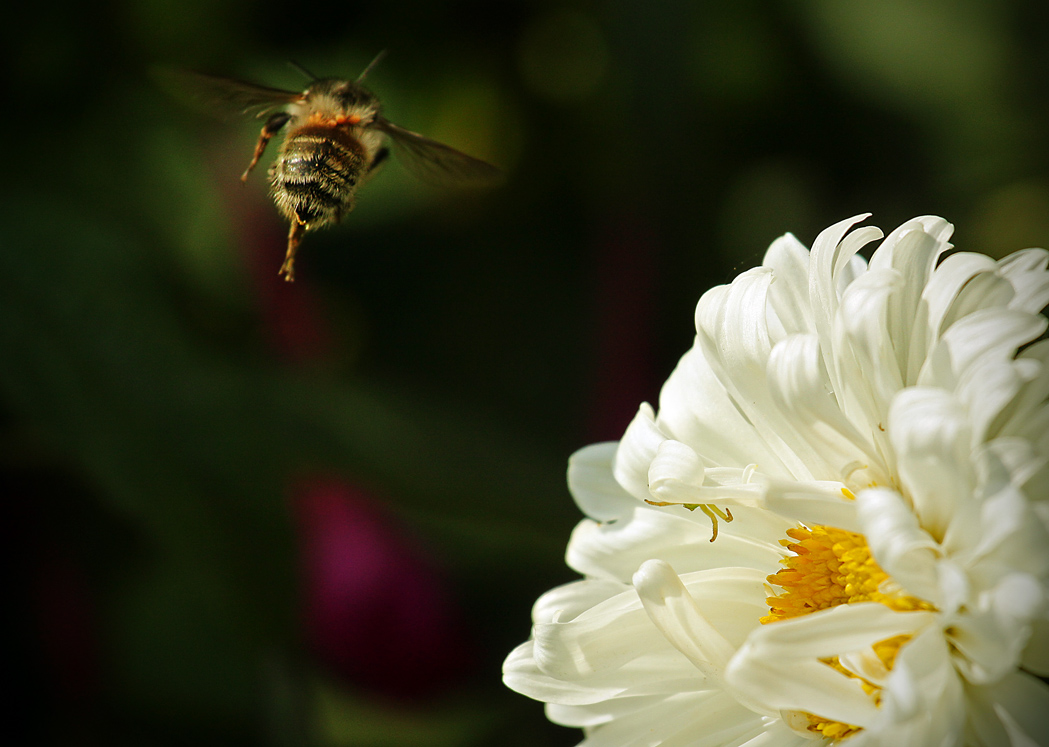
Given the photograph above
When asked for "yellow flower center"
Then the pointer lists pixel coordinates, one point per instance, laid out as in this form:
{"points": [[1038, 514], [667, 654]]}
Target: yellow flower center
{"points": [[829, 567]]}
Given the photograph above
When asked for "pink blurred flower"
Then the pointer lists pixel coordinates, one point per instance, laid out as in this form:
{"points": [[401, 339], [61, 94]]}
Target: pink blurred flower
{"points": [[376, 609]]}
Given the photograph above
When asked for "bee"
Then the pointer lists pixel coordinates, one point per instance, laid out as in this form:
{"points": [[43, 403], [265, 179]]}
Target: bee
{"points": [[334, 139]]}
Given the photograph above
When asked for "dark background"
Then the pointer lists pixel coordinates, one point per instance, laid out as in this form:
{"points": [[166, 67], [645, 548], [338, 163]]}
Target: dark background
{"points": [[238, 511]]}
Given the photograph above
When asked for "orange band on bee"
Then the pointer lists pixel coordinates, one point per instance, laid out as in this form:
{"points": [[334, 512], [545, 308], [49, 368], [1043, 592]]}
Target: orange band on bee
{"points": [[317, 118], [328, 131]]}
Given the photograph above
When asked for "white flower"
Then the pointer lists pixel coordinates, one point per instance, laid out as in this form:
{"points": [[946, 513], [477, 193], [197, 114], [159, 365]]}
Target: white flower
{"points": [[880, 434]]}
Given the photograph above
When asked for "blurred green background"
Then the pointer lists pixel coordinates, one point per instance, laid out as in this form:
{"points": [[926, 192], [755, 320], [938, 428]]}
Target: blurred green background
{"points": [[244, 512]]}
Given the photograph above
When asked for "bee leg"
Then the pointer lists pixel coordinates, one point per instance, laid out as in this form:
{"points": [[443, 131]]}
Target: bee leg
{"points": [[271, 128], [380, 155], [295, 234]]}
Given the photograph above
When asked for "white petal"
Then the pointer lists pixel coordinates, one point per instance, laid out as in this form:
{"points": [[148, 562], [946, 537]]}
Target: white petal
{"points": [[568, 601], [731, 324], [1020, 459], [678, 475], [933, 314], [845, 267], [733, 600], [779, 666], [922, 699], [827, 262], [866, 349], [775, 734], [956, 587], [800, 387], [988, 388], [1021, 702], [911, 250], [991, 637], [606, 651], [988, 333], [983, 291], [867, 664], [521, 674], [676, 472], [1012, 537], [1026, 270], [595, 491], [696, 409], [789, 293], [998, 529], [628, 714], [706, 719], [676, 614], [984, 723], [898, 543], [930, 435], [1026, 415], [896, 252], [733, 334], [636, 451], [681, 538], [812, 503]]}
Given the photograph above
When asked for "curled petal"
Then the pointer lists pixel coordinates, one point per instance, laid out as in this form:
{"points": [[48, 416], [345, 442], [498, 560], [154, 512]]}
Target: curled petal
{"points": [[676, 472], [995, 631], [812, 503], [678, 476], [580, 660], [779, 666], [733, 334], [931, 437], [898, 543], [1012, 711], [678, 617], [696, 409], [922, 701], [934, 313], [827, 264], [682, 538], [799, 384], [596, 492], [987, 334], [1026, 270], [910, 251], [866, 348], [789, 293], [636, 451]]}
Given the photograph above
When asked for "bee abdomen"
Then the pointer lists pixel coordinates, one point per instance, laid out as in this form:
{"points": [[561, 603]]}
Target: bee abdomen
{"points": [[317, 173]]}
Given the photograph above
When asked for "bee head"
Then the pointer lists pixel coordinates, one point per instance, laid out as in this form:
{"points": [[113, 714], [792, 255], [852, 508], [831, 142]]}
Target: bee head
{"points": [[343, 93]]}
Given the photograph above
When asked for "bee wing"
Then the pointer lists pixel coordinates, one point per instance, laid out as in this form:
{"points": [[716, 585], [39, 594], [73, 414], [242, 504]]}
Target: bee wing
{"points": [[224, 95], [436, 162]]}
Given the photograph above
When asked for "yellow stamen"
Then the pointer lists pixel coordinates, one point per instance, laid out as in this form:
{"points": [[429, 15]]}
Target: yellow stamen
{"points": [[709, 509], [829, 567]]}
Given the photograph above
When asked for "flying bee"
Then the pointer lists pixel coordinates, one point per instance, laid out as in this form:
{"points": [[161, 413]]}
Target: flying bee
{"points": [[334, 139]]}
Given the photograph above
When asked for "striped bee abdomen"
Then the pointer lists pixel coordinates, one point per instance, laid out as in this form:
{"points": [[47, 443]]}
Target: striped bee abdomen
{"points": [[317, 173]]}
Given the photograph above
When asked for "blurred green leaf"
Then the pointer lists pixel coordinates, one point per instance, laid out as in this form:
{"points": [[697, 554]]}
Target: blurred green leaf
{"points": [[343, 720]]}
